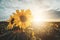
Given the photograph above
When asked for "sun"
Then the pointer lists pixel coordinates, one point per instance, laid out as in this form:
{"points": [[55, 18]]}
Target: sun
{"points": [[36, 19], [39, 18]]}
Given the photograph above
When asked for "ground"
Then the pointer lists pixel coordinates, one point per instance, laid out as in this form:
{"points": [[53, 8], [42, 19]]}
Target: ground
{"points": [[52, 32]]}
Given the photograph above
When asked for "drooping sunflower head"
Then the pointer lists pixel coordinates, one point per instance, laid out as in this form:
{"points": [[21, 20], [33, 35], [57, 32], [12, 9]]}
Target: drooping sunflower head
{"points": [[21, 18]]}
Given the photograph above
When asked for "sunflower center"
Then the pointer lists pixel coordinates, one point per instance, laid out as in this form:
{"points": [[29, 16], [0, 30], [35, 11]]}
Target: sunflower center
{"points": [[23, 18]]}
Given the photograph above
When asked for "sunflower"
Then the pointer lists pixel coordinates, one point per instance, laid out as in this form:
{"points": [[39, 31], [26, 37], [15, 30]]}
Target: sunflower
{"points": [[21, 18]]}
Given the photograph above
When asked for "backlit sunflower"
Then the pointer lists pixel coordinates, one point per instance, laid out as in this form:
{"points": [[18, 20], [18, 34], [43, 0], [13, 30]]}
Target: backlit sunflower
{"points": [[21, 18]]}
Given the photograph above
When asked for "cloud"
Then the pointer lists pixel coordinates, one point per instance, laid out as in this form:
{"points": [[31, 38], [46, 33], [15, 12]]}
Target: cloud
{"points": [[7, 7], [54, 14]]}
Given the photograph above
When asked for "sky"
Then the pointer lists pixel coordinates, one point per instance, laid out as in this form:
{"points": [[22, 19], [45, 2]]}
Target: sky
{"points": [[46, 8]]}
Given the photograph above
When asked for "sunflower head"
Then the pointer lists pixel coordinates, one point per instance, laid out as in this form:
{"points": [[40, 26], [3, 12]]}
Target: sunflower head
{"points": [[21, 18]]}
